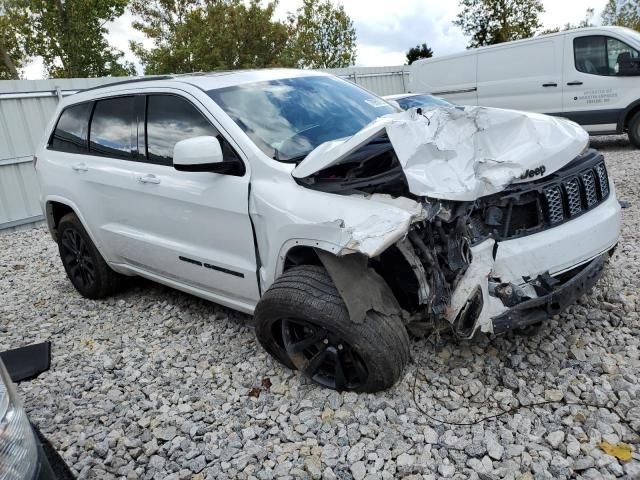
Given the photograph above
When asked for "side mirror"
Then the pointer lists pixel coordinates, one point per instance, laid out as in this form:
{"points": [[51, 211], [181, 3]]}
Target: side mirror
{"points": [[203, 154]]}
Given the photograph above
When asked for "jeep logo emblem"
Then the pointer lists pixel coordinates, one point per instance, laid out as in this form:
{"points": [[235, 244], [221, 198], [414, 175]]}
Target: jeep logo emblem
{"points": [[533, 173]]}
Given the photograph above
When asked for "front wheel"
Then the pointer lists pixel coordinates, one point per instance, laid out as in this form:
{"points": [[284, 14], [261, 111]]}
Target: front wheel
{"points": [[634, 130], [303, 322]]}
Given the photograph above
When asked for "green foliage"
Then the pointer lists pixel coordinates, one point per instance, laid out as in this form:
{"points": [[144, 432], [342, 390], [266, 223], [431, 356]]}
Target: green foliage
{"points": [[626, 15], [70, 37], [191, 36], [13, 23], [418, 52], [323, 36], [199, 35], [488, 22]]}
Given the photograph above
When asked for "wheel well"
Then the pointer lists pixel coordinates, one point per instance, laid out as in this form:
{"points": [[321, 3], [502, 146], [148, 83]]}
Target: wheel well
{"points": [[55, 211], [630, 115], [301, 255], [390, 265]]}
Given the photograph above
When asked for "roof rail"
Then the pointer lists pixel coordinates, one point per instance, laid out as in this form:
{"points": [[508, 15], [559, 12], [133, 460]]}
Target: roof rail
{"points": [[132, 80]]}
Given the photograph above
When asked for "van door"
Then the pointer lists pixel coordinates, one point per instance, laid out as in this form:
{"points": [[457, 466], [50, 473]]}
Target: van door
{"points": [[452, 78], [522, 76], [594, 95]]}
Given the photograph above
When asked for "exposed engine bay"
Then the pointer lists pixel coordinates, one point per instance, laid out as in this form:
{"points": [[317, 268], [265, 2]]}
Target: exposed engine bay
{"points": [[443, 268]]}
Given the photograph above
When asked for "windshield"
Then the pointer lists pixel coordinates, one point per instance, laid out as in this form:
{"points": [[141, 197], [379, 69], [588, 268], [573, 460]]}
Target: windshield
{"points": [[422, 101], [288, 118]]}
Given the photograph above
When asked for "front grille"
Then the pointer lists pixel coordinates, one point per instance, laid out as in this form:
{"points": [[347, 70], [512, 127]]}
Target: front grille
{"points": [[603, 180], [576, 194], [590, 193], [554, 204], [530, 207]]}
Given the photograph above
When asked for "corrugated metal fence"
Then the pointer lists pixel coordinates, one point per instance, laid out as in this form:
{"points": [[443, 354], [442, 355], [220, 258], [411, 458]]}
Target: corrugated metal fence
{"points": [[27, 105]]}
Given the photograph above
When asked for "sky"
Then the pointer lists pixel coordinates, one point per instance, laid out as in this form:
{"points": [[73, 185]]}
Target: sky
{"points": [[385, 29]]}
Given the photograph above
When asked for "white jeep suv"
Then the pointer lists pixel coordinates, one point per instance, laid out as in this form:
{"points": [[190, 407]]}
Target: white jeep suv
{"points": [[339, 221]]}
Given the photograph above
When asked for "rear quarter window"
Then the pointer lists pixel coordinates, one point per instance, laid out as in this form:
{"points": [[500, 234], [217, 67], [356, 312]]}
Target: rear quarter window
{"points": [[70, 134]]}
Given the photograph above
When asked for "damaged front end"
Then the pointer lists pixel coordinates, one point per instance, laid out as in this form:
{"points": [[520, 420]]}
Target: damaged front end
{"points": [[474, 257]]}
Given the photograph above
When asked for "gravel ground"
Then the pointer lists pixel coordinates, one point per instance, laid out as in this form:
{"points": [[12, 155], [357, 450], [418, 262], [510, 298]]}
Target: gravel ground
{"points": [[154, 383]]}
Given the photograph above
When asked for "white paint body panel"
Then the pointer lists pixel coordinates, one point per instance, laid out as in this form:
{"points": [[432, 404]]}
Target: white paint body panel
{"points": [[142, 229], [532, 75]]}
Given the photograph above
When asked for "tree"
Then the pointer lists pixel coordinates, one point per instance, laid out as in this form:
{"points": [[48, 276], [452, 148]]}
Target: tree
{"points": [[323, 36], [13, 23], [488, 22], [625, 15], [69, 35], [418, 52], [195, 35]]}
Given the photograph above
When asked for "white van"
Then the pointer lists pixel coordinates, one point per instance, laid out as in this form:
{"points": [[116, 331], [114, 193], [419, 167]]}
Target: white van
{"points": [[589, 75]]}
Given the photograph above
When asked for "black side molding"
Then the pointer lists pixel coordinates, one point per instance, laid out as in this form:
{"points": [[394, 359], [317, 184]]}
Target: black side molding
{"points": [[211, 267]]}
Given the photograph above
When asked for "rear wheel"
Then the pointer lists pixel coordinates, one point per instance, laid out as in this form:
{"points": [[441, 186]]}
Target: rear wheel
{"points": [[634, 130], [85, 267], [303, 322]]}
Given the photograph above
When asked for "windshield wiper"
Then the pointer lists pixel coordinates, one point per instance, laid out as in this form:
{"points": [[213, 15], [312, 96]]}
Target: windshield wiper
{"points": [[296, 159]]}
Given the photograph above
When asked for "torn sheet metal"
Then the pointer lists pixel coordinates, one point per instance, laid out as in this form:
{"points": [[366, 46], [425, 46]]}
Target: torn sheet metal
{"points": [[285, 215], [477, 276], [463, 154]]}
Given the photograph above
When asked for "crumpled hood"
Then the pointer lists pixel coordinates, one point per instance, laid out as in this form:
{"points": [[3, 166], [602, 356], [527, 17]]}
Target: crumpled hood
{"points": [[463, 154]]}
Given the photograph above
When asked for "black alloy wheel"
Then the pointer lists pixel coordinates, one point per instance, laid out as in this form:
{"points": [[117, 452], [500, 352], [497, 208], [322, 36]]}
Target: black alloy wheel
{"points": [[76, 257], [323, 356]]}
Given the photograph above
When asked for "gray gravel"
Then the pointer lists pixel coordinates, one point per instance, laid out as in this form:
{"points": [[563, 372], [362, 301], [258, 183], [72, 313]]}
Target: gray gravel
{"points": [[154, 383]]}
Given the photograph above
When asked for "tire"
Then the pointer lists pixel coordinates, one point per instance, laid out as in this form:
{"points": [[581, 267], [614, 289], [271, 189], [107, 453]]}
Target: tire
{"points": [[85, 267], [634, 130], [303, 322]]}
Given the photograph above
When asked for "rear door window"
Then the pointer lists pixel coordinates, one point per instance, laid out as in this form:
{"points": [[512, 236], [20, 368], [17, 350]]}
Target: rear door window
{"points": [[171, 119], [70, 134], [113, 130]]}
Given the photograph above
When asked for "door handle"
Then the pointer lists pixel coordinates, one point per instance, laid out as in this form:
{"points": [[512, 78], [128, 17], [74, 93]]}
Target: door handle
{"points": [[150, 178], [575, 82], [79, 167], [551, 84]]}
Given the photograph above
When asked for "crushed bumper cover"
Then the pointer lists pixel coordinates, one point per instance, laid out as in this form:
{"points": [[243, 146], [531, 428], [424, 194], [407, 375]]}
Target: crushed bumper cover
{"points": [[538, 309]]}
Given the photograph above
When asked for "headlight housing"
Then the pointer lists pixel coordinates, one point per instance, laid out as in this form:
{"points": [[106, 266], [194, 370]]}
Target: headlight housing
{"points": [[18, 450]]}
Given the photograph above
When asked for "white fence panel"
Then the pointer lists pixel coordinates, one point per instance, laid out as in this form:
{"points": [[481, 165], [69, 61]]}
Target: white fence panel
{"points": [[26, 107]]}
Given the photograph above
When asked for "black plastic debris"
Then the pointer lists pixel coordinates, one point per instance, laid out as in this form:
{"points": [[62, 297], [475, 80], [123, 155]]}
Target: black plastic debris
{"points": [[27, 362]]}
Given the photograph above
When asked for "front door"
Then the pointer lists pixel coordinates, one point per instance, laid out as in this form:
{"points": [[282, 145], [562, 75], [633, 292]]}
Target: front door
{"points": [[593, 94]]}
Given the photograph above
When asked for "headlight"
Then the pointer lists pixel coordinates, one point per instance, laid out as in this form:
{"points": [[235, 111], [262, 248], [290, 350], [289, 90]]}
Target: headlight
{"points": [[18, 451]]}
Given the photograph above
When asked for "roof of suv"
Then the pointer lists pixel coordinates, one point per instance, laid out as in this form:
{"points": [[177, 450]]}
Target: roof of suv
{"points": [[214, 80]]}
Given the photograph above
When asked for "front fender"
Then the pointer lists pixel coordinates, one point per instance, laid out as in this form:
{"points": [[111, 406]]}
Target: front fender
{"points": [[286, 215]]}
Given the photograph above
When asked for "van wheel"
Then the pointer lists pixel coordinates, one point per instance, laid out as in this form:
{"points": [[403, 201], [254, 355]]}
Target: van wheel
{"points": [[85, 267], [634, 130], [303, 322]]}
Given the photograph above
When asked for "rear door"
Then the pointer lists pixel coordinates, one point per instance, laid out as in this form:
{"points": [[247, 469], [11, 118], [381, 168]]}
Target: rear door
{"points": [[522, 76], [594, 96]]}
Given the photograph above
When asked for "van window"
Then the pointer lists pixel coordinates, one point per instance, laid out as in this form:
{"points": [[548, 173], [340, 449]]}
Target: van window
{"points": [[112, 132], [598, 55], [169, 120], [70, 134]]}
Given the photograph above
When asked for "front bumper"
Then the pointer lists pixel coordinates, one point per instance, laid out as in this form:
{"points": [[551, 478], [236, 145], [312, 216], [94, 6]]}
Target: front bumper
{"points": [[535, 310]]}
